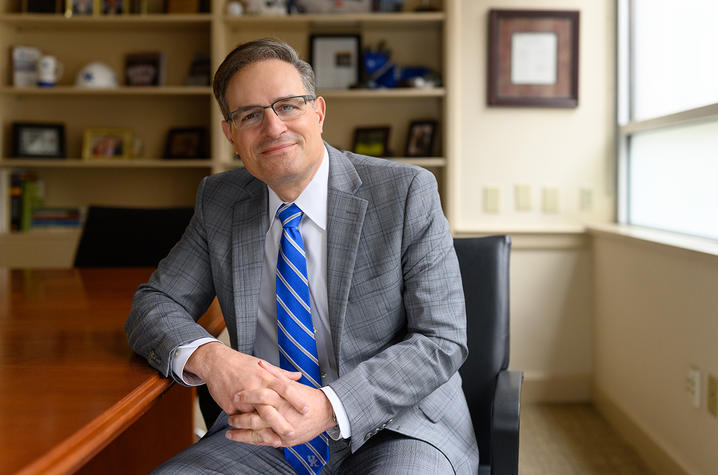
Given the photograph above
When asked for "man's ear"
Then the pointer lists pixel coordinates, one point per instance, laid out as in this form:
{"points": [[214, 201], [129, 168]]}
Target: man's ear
{"points": [[320, 107], [226, 128]]}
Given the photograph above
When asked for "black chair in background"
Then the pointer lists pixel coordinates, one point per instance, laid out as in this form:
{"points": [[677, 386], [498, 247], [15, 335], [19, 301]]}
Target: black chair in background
{"points": [[129, 237], [492, 392]]}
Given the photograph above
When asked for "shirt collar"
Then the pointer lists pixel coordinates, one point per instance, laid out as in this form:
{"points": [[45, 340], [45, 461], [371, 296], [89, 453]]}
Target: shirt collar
{"points": [[313, 199]]}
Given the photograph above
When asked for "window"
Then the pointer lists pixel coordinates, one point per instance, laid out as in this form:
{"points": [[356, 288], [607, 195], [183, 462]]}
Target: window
{"points": [[668, 115]]}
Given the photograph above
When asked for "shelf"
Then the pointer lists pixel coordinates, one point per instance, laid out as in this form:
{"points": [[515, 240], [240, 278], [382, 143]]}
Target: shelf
{"points": [[116, 91], [98, 22], [317, 20], [427, 162], [109, 163], [396, 93]]}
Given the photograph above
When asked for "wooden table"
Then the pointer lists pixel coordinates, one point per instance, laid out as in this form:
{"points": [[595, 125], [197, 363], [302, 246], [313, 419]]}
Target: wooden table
{"points": [[73, 397]]}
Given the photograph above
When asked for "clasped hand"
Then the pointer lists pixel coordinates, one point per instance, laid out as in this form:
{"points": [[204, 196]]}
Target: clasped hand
{"points": [[266, 404]]}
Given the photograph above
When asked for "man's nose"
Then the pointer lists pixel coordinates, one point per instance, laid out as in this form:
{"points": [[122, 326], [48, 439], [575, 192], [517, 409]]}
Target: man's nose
{"points": [[272, 124]]}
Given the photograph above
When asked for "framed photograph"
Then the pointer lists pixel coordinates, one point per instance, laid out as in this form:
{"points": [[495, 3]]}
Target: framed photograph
{"points": [[81, 7], [114, 7], [145, 69], [107, 143], [372, 141], [420, 139], [34, 140], [335, 60], [188, 142], [533, 58], [40, 6]]}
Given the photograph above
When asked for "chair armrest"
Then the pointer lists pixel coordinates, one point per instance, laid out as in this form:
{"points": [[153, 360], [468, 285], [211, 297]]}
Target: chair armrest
{"points": [[505, 423]]}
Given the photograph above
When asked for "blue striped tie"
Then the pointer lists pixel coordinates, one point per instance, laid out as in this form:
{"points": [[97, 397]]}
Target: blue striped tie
{"points": [[295, 334]]}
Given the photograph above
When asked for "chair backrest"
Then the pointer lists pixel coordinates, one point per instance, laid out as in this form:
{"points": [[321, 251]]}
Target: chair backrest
{"points": [[484, 264], [129, 237]]}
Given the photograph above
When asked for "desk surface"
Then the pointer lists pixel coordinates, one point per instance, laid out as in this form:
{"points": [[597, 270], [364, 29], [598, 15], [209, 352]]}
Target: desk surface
{"points": [[69, 383]]}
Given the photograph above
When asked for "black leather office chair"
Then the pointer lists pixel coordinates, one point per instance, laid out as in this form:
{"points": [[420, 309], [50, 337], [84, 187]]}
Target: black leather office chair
{"points": [[492, 392]]}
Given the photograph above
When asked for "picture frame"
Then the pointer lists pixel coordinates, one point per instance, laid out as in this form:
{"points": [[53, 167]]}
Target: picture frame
{"points": [[40, 6], [372, 141], [102, 144], [114, 7], [533, 58], [81, 7], [420, 138], [186, 143], [336, 60], [38, 140], [145, 69]]}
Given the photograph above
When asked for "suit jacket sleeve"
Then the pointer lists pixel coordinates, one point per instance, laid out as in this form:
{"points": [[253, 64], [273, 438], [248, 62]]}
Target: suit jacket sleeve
{"points": [[165, 309], [430, 311]]}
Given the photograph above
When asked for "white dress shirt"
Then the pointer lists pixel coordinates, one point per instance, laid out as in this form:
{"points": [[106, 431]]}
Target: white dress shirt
{"points": [[313, 227]]}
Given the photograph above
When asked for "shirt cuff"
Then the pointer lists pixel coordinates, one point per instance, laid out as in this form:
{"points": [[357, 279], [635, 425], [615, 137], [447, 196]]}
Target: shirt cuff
{"points": [[344, 431], [179, 360]]}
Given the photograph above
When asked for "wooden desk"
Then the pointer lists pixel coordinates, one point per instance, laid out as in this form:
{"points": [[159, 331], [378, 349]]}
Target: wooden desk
{"points": [[73, 396]]}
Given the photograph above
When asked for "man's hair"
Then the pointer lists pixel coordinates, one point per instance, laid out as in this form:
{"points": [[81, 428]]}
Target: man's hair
{"points": [[252, 52]]}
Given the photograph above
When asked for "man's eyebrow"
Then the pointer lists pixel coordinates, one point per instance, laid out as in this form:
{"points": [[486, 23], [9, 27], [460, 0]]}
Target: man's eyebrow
{"points": [[242, 108]]}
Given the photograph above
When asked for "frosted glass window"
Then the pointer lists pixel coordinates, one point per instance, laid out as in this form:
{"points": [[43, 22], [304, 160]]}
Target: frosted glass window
{"points": [[673, 179], [675, 66]]}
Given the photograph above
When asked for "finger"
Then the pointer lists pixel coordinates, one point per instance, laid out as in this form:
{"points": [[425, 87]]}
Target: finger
{"points": [[286, 389], [252, 397], [249, 421], [276, 421], [279, 372], [254, 437]]}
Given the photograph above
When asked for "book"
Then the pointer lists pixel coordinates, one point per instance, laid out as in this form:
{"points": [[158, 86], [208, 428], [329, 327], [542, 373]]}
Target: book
{"points": [[24, 65], [145, 69]]}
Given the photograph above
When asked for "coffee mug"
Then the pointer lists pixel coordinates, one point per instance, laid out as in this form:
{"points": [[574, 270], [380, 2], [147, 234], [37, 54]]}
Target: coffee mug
{"points": [[49, 71]]}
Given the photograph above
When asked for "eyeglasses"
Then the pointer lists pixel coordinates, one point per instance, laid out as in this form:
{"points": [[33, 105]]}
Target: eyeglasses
{"points": [[286, 108]]}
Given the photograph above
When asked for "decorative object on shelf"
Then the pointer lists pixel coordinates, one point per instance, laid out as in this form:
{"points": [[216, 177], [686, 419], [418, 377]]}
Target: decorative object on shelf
{"points": [[389, 5], [182, 6], [40, 6], [114, 7], [188, 142], [533, 58], [372, 141], [420, 139], [266, 7], [234, 8], [381, 72], [199, 70], [96, 75], [38, 140], [335, 60], [334, 6], [143, 7], [81, 7], [107, 143], [49, 71], [145, 69], [24, 65]]}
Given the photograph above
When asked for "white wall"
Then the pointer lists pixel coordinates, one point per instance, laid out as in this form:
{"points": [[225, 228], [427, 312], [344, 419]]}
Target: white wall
{"points": [[656, 316], [570, 149]]}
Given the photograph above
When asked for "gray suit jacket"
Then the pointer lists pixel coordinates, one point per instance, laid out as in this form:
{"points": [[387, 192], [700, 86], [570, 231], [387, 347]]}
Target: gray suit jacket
{"points": [[395, 300]]}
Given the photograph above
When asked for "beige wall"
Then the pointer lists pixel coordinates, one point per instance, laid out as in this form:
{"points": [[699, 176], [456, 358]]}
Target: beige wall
{"points": [[656, 316], [500, 147], [568, 149]]}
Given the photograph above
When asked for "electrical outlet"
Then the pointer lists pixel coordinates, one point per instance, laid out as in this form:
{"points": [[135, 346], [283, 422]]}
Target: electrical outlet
{"points": [[693, 386], [713, 395], [522, 195], [550, 200], [491, 200]]}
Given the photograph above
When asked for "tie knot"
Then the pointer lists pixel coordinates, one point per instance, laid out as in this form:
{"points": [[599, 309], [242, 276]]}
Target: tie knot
{"points": [[290, 215]]}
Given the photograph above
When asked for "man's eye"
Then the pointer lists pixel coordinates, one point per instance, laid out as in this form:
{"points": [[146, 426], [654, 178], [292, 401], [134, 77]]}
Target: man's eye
{"points": [[249, 116], [286, 107]]}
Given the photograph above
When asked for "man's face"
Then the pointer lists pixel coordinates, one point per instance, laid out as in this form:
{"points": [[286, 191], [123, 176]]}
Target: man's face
{"points": [[284, 155]]}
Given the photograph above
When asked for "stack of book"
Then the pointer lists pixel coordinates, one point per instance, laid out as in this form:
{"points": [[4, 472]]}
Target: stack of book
{"points": [[56, 218]]}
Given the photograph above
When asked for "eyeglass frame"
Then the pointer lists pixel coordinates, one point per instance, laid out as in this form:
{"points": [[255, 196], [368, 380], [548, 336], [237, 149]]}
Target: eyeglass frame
{"points": [[306, 97]]}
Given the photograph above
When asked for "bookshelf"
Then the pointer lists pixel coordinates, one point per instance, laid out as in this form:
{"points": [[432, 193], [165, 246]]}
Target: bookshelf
{"points": [[415, 38]]}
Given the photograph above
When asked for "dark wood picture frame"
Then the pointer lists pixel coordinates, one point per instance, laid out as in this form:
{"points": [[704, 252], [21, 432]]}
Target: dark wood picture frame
{"points": [[420, 138], [38, 140], [533, 58], [186, 143], [336, 60], [372, 141]]}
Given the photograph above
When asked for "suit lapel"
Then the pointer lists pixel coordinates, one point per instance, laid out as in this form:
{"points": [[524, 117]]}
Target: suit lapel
{"points": [[249, 225], [345, 218]]}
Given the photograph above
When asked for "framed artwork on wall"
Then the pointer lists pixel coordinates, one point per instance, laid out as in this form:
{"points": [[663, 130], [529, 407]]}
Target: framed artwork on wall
{"points": [[533, 58]]}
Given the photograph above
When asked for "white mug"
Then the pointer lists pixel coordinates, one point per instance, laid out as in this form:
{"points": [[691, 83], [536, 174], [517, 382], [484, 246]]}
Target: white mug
{"points": [[234, 8], [49, 71]]}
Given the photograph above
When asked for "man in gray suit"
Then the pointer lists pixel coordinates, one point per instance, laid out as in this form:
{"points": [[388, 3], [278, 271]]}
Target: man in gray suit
{"points": [[385, 294]]}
